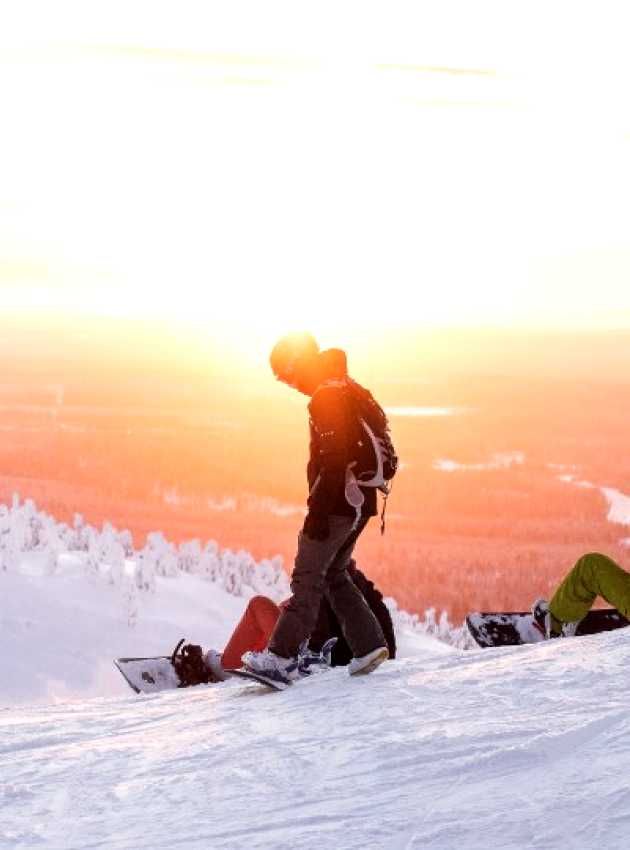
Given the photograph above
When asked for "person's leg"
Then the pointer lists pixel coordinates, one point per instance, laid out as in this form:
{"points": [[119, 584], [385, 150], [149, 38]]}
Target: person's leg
{"points": [[252, 632], [312, 561], [593, 575], [359, 625]]}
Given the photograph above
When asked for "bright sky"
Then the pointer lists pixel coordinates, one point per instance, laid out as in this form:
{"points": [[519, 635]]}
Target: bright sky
{"points": [[322, 165]]}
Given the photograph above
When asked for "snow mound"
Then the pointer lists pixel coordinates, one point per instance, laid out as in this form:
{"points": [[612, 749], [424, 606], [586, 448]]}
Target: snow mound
{"points": [[61, 632]]}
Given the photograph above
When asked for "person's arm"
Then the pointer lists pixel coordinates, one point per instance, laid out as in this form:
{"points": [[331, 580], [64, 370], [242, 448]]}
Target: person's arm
{"points": [[329, 419]]}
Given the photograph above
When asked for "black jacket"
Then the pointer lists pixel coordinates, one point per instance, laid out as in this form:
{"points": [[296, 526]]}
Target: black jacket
{"points": [[333, 435], [327, 625]]}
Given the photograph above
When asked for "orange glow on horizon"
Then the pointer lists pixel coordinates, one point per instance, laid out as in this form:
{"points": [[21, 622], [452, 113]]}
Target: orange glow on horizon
{"points": [[443, 199]]}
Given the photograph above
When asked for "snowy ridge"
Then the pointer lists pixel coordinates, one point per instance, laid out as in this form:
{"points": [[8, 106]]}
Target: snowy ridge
{"points": [[24, 529]]}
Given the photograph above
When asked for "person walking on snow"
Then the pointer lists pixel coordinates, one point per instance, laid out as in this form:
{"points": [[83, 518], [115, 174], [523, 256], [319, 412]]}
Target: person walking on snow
{"points": [[593, 575], [259, 619], [351, 455]]}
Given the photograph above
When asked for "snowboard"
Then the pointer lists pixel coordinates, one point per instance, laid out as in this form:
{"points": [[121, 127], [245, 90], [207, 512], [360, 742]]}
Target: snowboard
{"points": [[241, 673], [518, 627], [149, 675], [152, 675]]}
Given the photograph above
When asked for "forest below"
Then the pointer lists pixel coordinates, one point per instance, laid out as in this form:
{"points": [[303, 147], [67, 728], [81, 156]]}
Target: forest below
{"points": [[486, 512]]}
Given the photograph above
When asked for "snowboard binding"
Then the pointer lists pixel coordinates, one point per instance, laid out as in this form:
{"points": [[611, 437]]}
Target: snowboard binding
{"points": [[188, 663]]}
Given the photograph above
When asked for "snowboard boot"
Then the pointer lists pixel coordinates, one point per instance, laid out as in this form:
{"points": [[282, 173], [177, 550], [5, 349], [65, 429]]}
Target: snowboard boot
{"points": [[368, 663], [547, 624], [212, 660], [314, 662], [267, 663], [187, 660]]}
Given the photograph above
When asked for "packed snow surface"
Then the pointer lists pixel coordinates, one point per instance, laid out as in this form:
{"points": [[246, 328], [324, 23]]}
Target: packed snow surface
{"points": [[508, 748], [521, 747]]}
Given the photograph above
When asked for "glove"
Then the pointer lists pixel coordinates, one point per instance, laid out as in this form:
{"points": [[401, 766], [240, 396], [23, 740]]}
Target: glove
{"points": [[316, 527]]}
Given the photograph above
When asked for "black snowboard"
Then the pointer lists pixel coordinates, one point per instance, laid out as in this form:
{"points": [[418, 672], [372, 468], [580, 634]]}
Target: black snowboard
{"points": [[518, 627], [240, 673]]}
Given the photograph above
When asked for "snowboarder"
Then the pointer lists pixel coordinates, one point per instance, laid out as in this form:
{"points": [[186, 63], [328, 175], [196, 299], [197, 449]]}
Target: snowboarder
{"points": [[593, 575], [261, 615], [351, 455]]}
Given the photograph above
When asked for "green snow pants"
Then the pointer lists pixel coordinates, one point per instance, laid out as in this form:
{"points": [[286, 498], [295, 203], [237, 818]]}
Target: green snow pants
{"points": [[593, 575]]}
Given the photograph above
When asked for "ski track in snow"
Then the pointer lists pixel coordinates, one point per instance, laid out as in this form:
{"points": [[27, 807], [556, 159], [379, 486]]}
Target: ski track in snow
{"points": [[525, 747]]}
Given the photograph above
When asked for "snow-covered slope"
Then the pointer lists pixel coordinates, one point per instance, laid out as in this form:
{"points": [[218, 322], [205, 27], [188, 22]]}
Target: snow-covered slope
{"points": [[74, 598], [527, 747], [508, 748], [61, 631]]}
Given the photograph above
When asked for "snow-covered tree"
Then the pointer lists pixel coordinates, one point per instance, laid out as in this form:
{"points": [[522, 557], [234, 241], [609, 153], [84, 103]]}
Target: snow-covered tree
{"points": [[189, 556]]}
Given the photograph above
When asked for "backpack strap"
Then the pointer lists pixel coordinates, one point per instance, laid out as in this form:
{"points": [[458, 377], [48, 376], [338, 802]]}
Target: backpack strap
{"points": [[385, 498], [353, 494], [378, 479]]}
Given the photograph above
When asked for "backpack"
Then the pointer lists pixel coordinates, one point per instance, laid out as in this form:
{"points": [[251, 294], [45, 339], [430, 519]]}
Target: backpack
{"points": [[376, 461]]}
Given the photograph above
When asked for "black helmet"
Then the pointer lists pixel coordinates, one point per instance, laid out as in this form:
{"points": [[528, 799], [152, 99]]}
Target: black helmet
{"points": [[288, 351]]}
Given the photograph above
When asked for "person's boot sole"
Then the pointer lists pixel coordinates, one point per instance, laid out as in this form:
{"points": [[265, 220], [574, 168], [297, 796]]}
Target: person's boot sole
{"points": [[383, 655]]}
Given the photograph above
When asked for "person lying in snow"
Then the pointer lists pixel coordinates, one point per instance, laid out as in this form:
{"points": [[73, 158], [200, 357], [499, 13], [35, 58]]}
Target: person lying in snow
{"points": [[258, 622], [593, 575]]}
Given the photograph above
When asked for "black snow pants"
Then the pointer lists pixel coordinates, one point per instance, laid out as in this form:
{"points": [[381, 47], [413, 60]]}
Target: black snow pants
{"points": [[321, 569]]}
